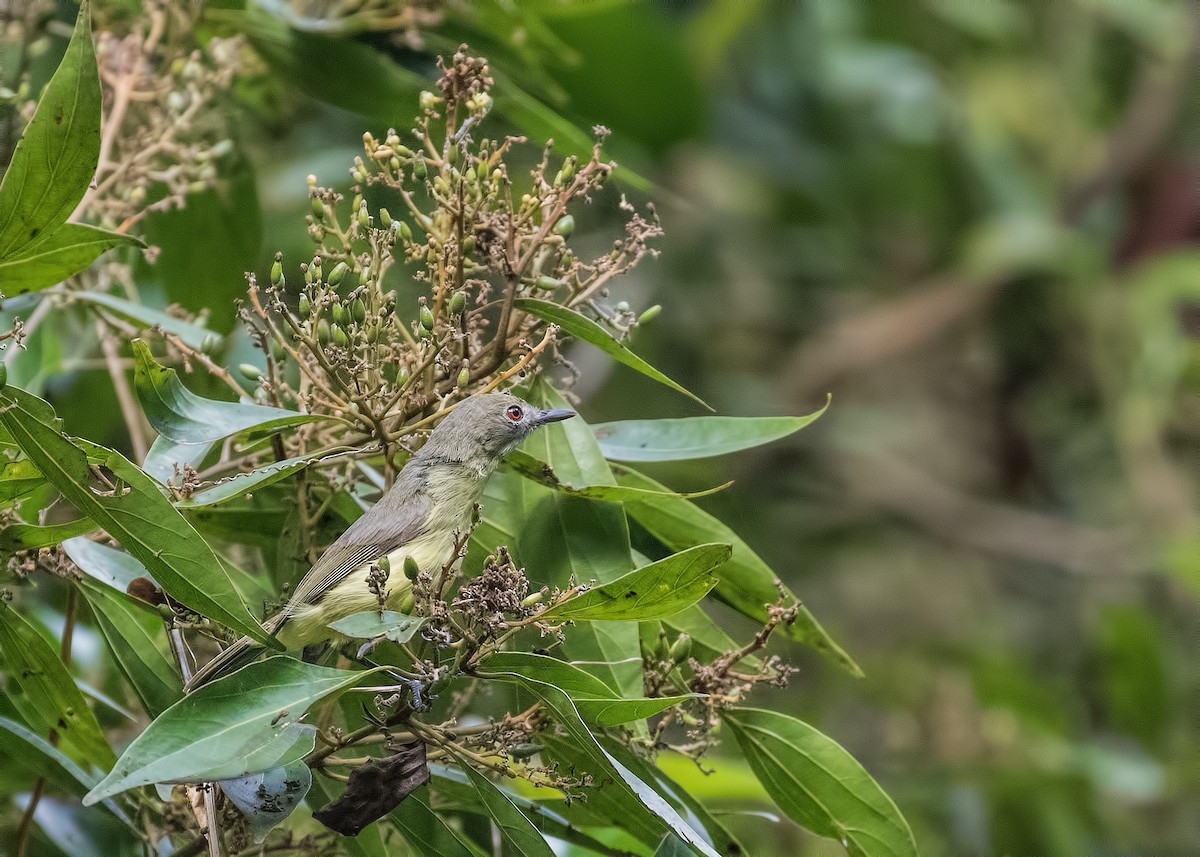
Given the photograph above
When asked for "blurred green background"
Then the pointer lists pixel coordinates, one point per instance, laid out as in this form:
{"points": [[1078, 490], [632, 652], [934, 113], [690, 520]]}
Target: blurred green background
{"points": [[974, 223]]}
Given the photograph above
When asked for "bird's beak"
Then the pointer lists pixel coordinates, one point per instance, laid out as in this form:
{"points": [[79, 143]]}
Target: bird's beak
{"points": [[555, 415]]}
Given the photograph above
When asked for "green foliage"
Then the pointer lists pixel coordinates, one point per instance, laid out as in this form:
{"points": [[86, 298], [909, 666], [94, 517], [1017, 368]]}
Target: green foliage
{"points": [[48, 175], [969, 231]]}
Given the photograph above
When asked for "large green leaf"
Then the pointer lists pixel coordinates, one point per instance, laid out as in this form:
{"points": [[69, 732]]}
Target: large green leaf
{"points": [[110, 566], [819, 785], [597, 704], [57, 154], [237, 725], [397, 627], [517, 830], [564, 538], [647, 803], [453, 785], [47, 760], [18, 478], [426, 831], [584, 328], [44, 693], [525, 464], [146, 317], [183, 417], [133, 511], [23, 537], [651, 592], [692, 437], [244, 483], [62, 252], [746, 582], [133, 631]]}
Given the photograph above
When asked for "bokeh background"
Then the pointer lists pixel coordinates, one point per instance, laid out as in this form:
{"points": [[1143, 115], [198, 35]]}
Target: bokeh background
{"points": [[973, 223]]}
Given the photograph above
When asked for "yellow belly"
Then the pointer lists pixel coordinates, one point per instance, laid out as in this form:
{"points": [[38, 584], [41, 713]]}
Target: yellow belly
{"points": [[310, 623]]}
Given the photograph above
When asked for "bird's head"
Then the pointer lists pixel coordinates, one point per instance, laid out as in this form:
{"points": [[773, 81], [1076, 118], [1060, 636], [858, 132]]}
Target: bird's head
{"points": [[486, 427]]}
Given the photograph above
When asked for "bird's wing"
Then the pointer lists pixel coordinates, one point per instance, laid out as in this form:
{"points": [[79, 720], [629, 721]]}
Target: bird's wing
{"points": [[380, 531]]}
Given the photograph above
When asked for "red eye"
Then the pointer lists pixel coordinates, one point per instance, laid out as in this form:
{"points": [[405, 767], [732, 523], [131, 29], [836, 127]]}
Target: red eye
{"points": [[514, 412]]}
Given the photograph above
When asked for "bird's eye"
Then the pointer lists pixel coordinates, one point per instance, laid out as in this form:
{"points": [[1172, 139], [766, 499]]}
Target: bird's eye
{"points": [[514, 412]]}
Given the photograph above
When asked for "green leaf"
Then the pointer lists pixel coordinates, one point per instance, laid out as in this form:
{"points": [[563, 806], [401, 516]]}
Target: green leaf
{"points": [[18, 478], [455, 788], [647, 800], [244, 483], [48, 761], [21, 537], [531, 468], [564, 538], [584, 328], [108, 565], [679, 796], [397, 627], [572, 680], [63, 252], [133, 630], [517, 830], [180, 415], [240, 724], [692, 437], [45, 692], [57, 154], [819, 785], [651, 592], [426, 831], [746, 582], [134, 512], [596, 702], [146, 317]]}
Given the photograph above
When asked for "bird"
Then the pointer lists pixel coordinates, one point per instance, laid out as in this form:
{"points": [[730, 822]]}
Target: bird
{"points": [[419, 519]]}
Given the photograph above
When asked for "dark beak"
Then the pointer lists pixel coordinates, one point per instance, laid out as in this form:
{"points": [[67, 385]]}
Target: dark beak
{"points": [[555, 415]]}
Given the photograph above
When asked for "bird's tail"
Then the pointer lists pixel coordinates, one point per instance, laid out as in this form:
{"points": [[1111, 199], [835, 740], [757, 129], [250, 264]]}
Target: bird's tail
{"points": [[231, 658]]}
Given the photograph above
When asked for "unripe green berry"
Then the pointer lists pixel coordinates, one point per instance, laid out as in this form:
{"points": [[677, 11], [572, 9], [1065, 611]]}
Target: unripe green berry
{"points": [[358, 310], [681, 649], [649, 314], [318, 208], [426, 318], [458, 302], [339, 336], [250, 372], [277, 271], [405, 231], [411, 569], [533, 598], [407, 605], [339, 314], [547, 283], [464, 376], [338, 272], [323, 332], [385, 217], [565, 226], [305, 306], [420, 171]]}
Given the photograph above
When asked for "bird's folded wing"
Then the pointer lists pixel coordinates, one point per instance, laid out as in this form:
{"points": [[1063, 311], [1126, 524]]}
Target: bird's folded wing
{"points": [[377, 533]]}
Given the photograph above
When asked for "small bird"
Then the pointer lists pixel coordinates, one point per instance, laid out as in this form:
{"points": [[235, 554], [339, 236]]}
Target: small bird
{"points": [[431, 502]]}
